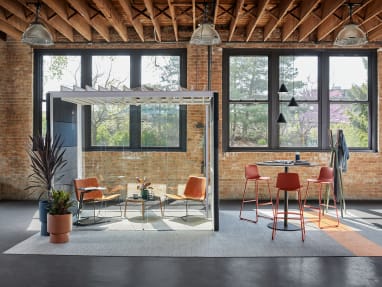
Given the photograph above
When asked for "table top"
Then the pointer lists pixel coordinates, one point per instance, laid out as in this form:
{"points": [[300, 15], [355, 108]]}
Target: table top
{"points": [[90, 188], [140, 199], [286, 163]]}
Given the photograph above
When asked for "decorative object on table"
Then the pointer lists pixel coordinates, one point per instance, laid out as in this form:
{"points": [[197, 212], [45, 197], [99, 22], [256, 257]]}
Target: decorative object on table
{"points": [[143, 186], [60, 217], [47, 159]]}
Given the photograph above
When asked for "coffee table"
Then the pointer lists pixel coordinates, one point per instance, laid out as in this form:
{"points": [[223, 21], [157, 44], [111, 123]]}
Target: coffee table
{"points": [[143, 203]]}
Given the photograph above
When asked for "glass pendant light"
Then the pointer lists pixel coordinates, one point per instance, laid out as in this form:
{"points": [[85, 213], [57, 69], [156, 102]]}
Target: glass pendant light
{"points": [[351, 34], [205, 34], [37, 33]]}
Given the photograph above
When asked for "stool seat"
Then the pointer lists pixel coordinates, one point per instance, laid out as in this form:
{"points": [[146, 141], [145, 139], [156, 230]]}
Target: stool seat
{"points": [[326, 177], [289, 182], [252, 174]]}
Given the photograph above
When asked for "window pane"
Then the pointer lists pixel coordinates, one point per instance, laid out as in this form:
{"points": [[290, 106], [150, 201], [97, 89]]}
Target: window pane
{"points": [[300, 76], [353, 119], [111, 71], [160, 125], [248, 125], [110, 125], [301, 129], [348, 80], [248, 78], [59, 71], [161, 72]]}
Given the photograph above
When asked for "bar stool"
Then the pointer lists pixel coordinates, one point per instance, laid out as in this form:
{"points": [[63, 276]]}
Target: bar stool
{"points": [[252, 174], [326, 177], [289, 182]]}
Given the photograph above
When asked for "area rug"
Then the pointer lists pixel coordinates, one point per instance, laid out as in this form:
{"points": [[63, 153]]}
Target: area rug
{"points": [[235, 238]]}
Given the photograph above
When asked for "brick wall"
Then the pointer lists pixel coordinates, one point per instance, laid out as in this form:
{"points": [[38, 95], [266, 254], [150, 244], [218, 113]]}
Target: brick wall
{"points": [[363, 179]]}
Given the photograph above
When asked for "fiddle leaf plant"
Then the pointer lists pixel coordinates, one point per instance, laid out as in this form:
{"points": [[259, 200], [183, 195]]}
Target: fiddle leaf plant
{"points": [[61, 202], [47, 158]]}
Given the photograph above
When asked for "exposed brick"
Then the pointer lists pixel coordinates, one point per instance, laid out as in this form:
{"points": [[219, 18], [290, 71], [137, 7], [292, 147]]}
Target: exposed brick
{"points": [[363, 180]]}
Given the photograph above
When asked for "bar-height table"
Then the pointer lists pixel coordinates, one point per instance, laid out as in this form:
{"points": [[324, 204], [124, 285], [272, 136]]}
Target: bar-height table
{"points": [[286, 164]]}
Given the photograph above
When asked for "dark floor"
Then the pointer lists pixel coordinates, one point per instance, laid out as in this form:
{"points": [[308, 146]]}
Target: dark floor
{"points": [[39, 270]]}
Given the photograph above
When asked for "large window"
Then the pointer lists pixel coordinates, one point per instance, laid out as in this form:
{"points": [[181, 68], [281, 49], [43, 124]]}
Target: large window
{"points": [[334, 90], [118, 127]]}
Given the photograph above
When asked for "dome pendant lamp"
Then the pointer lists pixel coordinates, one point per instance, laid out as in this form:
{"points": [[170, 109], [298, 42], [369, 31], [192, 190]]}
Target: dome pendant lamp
{"points": [[37, 33]]}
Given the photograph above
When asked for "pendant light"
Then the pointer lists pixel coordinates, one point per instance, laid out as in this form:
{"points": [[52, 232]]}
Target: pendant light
{"points": [[283, 89], [281, 119], [292, 102], [351, 34], [37, 33], [205, 34]]}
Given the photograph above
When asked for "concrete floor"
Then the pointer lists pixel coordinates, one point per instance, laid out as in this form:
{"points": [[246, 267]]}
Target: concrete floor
{"points": [[39, 270]]}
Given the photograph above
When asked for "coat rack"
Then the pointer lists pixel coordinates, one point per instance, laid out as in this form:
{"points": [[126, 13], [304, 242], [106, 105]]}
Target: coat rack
{"points": [[337, 169]]}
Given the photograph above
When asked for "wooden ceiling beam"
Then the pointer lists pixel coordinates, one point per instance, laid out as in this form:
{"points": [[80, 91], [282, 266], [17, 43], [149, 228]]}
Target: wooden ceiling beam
{"points": [[13, 20], [81, 7], [216, 11], [76, 21], [150, 9], [9, 29], [283, 9], [327, 10], [332, 22], [372, 10], [173, 19], [292, 23], [235, 19], [15, 8], [98, 22], [372, 24], [113, 17], [375, 35], [128, 9], [193, 15], [261, 9]]}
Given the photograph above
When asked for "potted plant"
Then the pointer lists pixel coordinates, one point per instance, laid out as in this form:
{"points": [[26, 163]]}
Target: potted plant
{"points": [[59, 216], [143, 186], [47, 158]]}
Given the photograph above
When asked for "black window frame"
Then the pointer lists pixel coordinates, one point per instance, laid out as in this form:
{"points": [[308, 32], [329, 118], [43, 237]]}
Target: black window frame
{"points": [[323, 95], [86, 79]]}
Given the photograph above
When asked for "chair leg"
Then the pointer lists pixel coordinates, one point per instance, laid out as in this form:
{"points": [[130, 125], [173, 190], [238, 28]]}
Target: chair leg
{"points": [[242, 201], [302, 221]]}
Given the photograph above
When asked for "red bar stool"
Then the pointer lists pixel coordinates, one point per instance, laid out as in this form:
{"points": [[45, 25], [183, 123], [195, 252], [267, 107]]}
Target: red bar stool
{"points": [[289, 182], [326, 177], [252, 174]]}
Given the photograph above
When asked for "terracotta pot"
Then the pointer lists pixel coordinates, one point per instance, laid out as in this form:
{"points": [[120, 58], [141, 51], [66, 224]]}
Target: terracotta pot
{"points": [[59, 227]]}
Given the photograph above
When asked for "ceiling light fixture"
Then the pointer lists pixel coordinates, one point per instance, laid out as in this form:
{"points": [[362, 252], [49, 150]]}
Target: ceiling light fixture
{"points": [[37, 33], [281, 119], [205, 34], [351, 34]]}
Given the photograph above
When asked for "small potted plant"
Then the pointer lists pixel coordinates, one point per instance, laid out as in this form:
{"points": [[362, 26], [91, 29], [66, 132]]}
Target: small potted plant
{"points": [[143, 186], [47, 158], [60, 217]]}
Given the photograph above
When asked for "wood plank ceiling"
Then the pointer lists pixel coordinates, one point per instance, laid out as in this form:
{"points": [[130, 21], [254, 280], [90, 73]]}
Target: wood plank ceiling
{"points": [[137, 21]]}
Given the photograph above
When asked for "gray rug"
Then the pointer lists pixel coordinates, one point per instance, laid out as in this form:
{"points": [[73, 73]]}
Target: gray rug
{"points": [[235, 238]]}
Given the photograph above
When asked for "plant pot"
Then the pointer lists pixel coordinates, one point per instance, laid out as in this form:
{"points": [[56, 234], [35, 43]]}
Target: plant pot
{"points": [[59, 227], [43, 207]]}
